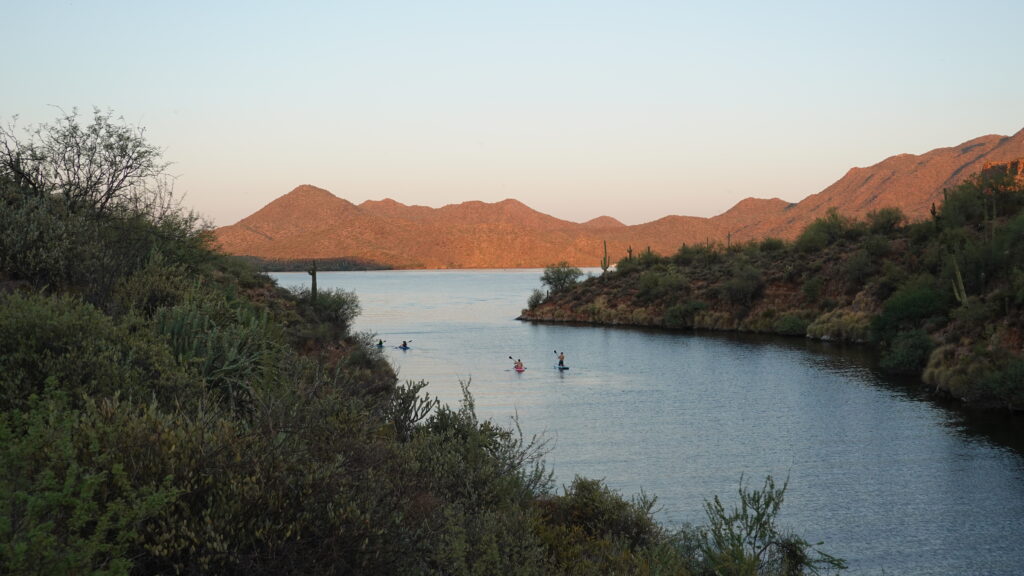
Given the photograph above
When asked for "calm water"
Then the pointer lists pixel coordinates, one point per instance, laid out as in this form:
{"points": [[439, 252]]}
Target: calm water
{"points": [[889, 480]]}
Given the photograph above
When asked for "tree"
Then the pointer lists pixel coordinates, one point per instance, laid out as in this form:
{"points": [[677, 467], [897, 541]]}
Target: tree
{"points": [[561, 276], [105, 166]]}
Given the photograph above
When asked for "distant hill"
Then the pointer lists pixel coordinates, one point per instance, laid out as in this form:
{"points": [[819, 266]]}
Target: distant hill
{"points": [[310, 222]]}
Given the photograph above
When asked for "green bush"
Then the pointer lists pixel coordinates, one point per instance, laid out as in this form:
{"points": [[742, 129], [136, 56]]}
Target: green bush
{"points": [[908, 353], [824, 232], [560, 277], [697, 254], [64, 343], [857, 269], [885, 221], [1007, 384], [327, 319], [46, 244], [656, 285], [963, 206], [592, 529], [747, 540], [812, 288], [877, 246], [536, 297], [917, 300], [771, 245], [69, 498], [791, 325], [743, 285], [682, 315]]}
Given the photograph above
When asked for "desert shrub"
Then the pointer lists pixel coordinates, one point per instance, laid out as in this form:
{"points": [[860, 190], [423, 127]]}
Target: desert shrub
{"points": [[46, 244], [335, 307], [921, 233], [71, 501], [743, 285], [407, 408], [857, 269], [843, 325], [885, 221], [39, 242], [627, 266], [649, 259], [890, 279], [918, 299], [480, 479], [812, 288], [1006, 384], [535, 299], [158, 284], [682, 315], [876, 245], [592, 529], [748, 540], [327, 319], [656, 285], [1008, 241], [772, 245], [697, 254], [560, 277], [824, 232], [790, 325], [908, 353], [976, 314], [963, 205], [62, 342]]}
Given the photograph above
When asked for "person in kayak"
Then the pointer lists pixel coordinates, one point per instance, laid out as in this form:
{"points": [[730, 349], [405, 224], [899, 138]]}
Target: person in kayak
{"points": [[518, 365]]}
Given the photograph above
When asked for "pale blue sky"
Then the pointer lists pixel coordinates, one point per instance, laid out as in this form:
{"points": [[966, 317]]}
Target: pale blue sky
{"points": [[632, 109]]}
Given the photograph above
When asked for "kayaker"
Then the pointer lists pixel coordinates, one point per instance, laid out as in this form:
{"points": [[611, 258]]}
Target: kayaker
{"points": [[518, 365]]}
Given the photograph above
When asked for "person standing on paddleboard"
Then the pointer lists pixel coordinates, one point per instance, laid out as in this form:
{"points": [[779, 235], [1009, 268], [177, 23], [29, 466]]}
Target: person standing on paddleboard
{"points": [[561, 359]]}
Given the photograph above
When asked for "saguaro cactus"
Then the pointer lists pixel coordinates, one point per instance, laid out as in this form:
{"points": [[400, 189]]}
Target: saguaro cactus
{"points": [[958, 283], [604, 259], [312, 291]]}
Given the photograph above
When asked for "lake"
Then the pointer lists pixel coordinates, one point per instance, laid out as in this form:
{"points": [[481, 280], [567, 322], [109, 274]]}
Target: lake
{"points": [[890, 480]]}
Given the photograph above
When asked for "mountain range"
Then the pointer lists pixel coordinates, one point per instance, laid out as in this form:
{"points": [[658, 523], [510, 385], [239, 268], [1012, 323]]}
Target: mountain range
{"points": [[312, 223]]}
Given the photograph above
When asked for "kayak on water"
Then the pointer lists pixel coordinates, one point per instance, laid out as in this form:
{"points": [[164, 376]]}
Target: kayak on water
{"points": [[520, 369]]}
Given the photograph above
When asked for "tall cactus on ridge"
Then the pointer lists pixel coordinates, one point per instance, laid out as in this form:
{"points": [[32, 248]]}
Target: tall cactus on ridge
{"points": [[312, 291]]}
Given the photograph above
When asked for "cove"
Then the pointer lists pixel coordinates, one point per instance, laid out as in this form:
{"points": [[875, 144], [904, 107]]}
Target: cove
{"points": [[891, 480]]}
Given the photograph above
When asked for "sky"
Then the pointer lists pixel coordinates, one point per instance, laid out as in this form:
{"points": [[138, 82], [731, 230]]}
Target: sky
{"points": [[631, 109]]}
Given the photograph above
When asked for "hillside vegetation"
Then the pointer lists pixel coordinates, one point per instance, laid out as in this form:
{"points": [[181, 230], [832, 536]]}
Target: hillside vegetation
{"points": [[940, 298], [165, 409]]}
